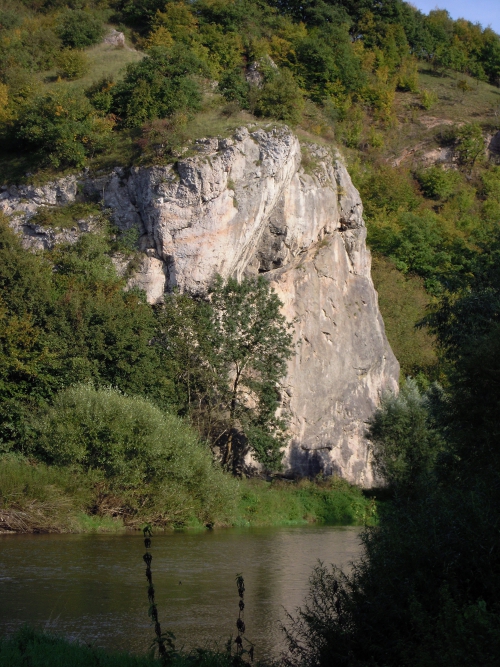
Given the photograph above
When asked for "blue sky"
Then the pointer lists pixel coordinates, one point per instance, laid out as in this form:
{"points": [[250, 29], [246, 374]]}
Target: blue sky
{"points": [[486, 12]]}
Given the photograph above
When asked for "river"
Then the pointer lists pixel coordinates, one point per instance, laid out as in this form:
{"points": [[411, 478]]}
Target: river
{"points": [[93, 588]]}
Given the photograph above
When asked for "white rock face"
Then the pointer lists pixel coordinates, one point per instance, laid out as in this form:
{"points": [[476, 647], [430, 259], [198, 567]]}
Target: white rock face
{"points": [[245, 206]]}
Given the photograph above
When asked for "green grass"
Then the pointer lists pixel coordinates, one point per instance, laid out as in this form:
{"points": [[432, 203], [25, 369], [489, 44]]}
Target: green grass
{"points": [[104, 60], [38, 498], [403, 302], [42, 499], [29, 647], [332, 501], [64, 217], [418, 129], [479, 103]]}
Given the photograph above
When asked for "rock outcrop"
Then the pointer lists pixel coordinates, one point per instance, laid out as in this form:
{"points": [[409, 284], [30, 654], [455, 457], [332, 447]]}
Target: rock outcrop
{"points": [[243, 206]]}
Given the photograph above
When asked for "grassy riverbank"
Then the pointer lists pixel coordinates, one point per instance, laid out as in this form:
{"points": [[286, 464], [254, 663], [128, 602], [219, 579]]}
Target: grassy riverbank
{"points": [[37, 649], [42, 498]]}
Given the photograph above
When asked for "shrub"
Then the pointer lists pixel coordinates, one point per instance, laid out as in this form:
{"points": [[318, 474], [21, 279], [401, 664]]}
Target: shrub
{"points": [[388, 189], [61, 129], [428, 99], [163, 137], [438, 183], [281, 98], [408, 77], [94, 330], [100, 94], [418, 243], [158, 86], [140, 450], [64, 217], [234, 87], [470, 145], [404, 442], [72, 64], [78, 28]]}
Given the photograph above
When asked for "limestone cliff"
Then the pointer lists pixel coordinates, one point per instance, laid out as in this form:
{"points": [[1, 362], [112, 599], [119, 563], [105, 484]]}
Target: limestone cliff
{"points": [[243, 206]]}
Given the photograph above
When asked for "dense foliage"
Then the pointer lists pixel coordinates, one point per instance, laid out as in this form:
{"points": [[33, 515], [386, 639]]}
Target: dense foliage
{"points": [[72, 325], [346, 58], [151, 460], [91, 375], [426, 591], [218, 362]]}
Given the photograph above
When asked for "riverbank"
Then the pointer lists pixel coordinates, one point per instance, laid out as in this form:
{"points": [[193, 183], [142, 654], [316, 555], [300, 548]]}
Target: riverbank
{"points": [[36, 498]]}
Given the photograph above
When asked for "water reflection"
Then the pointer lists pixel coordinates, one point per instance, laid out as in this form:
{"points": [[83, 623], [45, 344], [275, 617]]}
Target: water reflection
{"points": [[93, 587]]}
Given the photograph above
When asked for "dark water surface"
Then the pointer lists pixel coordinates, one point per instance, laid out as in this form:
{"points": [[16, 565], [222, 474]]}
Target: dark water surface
{"points": [[93, 587]]}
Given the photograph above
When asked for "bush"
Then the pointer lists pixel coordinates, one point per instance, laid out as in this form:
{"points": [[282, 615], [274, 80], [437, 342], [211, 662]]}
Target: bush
{"points": [[64, 217], [281, 98], [78, 28], [150, 458], [418, 243], [404, 441], [72, 64], [158, 86], [234, 87], [61, 129], [100, 94], [470, 145], [428, 99], [95, 331], [163, 137], [438, 183]]}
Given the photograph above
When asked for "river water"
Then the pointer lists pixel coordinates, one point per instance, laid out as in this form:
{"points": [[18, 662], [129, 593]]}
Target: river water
{"points": [[93, 587]]}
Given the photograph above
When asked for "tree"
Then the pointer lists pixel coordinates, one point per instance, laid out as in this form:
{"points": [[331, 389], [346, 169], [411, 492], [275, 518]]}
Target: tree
{"points": [[159, 85], [148, 464], [470, 145], [228, 356], [280, 97], [78, 28], [61, 129], [67, 321], [252, 341], [405, 442]]}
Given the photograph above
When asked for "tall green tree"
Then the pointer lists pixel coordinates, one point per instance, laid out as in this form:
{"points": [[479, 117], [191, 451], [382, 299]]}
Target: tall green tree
{"points": [[228, 357], [253, 342]]}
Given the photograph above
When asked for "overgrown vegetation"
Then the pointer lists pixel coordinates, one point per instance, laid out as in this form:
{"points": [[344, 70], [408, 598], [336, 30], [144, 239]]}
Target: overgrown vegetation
{"points": [[429, 574], [42, 649], [75, 349], [98, 391], [37, 497], [346, 59], [228, 356]]}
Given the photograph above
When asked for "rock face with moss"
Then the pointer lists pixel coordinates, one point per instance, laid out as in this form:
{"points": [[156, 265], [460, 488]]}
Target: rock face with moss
{"points": [[259, 202]]}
